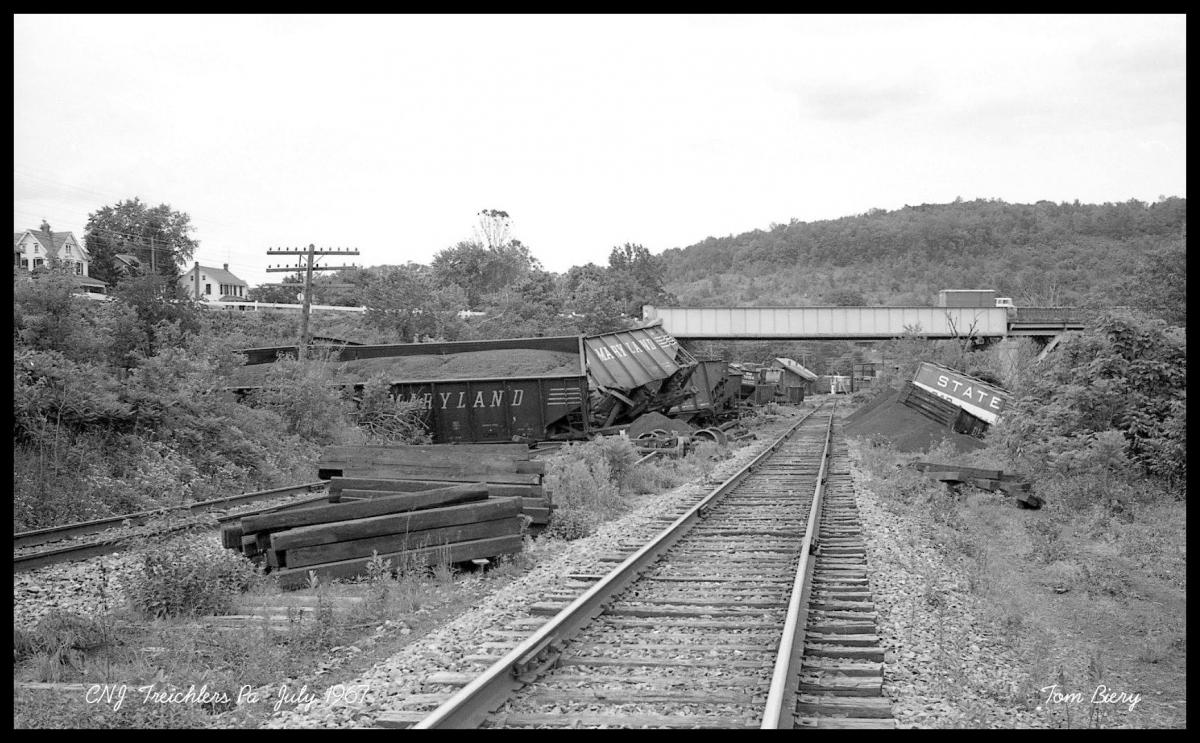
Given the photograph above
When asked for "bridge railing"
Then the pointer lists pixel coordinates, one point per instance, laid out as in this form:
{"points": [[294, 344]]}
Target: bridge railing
{"points": [[1051, 315]]}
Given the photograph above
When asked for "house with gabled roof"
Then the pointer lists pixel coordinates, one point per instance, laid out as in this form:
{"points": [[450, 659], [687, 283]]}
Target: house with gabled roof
{"points": [[42, 248], [213, 284]]}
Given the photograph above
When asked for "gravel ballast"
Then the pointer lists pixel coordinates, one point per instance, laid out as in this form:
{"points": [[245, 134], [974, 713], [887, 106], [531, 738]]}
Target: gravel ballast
{"points": [[399, 682]]}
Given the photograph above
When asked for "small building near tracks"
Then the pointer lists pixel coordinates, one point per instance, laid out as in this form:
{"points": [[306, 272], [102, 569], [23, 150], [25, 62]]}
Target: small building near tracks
{"points": [[794, 376]]}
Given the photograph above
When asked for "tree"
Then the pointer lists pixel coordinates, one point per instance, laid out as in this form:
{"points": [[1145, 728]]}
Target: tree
{"points": [[588, 296], [636, 277], [158, 299], [480, 270], [845, 298], [494, 228], [465, 265], [276, 293], [404, 300], [1159, 286], [158, 236]]}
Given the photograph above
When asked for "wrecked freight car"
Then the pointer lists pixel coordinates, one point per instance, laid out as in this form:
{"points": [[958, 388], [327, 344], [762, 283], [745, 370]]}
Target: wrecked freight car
{"points": [[515, 389]]}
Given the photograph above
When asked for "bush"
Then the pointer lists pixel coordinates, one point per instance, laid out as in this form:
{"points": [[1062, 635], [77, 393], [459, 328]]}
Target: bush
{"points": [[582, 487], [1112, 395], [303, 395], [386, 419], [59, 634], [188, 576]]}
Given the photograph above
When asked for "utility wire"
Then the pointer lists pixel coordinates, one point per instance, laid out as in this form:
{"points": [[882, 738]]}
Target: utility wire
{"points": [[101, 195], [144, 244]]}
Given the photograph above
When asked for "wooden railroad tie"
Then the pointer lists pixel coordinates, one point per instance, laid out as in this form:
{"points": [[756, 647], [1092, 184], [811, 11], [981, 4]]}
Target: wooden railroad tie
{"points": [[1010, 483], [410, 505]]}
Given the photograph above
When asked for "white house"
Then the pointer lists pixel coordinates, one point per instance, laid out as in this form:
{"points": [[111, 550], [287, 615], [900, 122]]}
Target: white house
{"points": [[206, 282], [42, 247]]}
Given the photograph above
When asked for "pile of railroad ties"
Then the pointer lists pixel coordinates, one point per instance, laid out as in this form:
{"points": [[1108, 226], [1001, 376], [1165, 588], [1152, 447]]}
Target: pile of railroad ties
{"points": [[410, 506]]}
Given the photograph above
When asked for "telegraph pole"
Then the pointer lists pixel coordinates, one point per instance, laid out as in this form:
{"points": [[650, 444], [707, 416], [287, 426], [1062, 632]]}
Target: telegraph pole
{"points": [[310, 253], [300, 352]]}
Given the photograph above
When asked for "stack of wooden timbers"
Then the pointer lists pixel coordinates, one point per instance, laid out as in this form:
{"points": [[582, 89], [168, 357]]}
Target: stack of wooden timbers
{"points": [[411, 505], [954, 475]]}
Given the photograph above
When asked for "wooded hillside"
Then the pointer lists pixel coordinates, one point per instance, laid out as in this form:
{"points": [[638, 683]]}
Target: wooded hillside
{"points": [[1040, 254]]}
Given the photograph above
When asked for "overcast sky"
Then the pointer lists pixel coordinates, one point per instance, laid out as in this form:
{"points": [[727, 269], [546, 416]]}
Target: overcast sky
{"points": [[389, 133]]}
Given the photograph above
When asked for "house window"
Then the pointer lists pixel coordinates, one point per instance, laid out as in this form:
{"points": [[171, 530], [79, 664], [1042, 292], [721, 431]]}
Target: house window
{"points": [[208, 288], [68, 247], [36, 248], [78, 269], [24, 263], [38, 262]]}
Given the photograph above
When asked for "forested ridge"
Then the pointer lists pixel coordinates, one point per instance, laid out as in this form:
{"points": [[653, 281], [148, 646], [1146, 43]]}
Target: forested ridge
{"points": [[1041, 254]]}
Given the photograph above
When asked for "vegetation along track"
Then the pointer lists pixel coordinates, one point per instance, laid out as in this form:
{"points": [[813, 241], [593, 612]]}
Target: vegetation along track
{"points": [[706, 625], [65, 545]]}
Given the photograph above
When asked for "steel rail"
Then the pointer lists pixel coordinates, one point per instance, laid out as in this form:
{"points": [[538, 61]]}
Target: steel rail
{"points": [[468, 707], [71, 553], [81, 528], [791, 645]]}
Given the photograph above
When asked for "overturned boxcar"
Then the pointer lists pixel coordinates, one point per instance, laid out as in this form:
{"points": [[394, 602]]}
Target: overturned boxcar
{"points": [[515, 389]]}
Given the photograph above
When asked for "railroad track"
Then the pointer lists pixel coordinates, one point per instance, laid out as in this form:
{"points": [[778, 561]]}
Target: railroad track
{"points": [[736, 615], [59, 545]]}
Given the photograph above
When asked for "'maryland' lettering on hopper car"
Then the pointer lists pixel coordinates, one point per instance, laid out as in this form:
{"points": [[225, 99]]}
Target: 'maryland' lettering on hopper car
{"points": [[623, 350], [449, 400]]}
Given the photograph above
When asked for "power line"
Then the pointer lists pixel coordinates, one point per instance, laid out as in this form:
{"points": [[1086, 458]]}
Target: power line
{"points": [[102, 195], [143, 243], [138, 242]]}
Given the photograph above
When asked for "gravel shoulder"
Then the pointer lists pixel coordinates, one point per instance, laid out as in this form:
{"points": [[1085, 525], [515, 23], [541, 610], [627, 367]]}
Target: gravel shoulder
{"points": [[986, 642], [943, 667]]}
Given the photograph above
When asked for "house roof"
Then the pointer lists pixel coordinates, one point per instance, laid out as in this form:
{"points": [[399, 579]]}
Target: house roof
{"points": [[793, 366], [219, 276], [51, 241]]}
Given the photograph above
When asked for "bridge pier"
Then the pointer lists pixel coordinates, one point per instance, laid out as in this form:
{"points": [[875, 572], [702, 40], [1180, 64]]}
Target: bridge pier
{"points": [[1008, 354]]}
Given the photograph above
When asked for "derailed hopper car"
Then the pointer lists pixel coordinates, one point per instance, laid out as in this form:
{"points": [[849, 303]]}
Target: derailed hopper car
{"points": [[471, 391], [631, 372], [715, 397], [532, 389]]}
